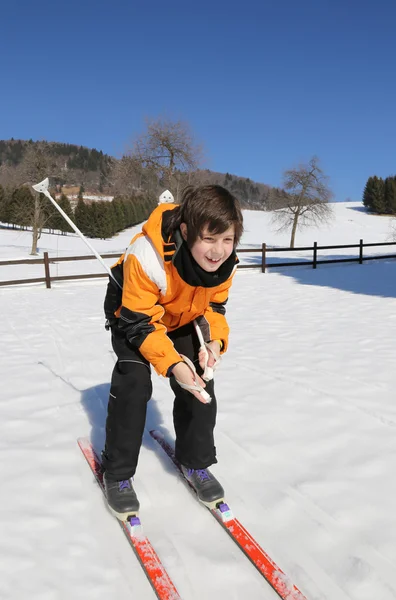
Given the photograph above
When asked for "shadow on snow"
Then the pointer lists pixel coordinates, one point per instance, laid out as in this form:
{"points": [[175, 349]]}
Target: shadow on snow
{"points": [[372, 278], [94, 401]]}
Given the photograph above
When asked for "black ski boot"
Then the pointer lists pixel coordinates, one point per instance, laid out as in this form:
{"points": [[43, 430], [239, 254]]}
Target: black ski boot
{"points": [[121, 498], [208, 489]]}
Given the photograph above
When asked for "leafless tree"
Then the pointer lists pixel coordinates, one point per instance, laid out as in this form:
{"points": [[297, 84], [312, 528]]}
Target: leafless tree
{"points": [[10, 177], [128, 177], [37, 165], [308, 199], [168, 148]]}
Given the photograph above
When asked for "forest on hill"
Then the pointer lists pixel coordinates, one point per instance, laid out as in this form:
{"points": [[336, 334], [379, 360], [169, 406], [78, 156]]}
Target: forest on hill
{"points": [[94, 172]]}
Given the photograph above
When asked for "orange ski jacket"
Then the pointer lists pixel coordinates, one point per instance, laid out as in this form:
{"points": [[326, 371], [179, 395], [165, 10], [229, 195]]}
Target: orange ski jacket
{"points": [[164, 288]]}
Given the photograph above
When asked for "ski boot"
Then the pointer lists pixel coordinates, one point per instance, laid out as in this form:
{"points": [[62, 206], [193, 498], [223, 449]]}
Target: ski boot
{"points": [[206, 486], [121, 498]]}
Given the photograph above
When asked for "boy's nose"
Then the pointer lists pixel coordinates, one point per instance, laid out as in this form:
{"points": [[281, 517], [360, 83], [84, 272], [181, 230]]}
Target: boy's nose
{"points": [[218, 247]]}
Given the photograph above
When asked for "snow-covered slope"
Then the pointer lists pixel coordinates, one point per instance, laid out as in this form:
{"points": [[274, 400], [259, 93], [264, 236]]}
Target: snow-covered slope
{"points": [[305, 436]]}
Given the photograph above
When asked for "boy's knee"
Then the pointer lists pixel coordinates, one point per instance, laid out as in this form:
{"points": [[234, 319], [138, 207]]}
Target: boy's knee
{"points": [[133, 367], [133, 377]]}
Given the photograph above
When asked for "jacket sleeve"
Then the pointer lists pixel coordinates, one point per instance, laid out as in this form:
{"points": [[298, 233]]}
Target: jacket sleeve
{"points": [[140, 314], [215, 315]]}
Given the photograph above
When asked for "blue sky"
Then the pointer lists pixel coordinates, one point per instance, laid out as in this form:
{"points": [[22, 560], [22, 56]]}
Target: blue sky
{"points": [[264, 85]]}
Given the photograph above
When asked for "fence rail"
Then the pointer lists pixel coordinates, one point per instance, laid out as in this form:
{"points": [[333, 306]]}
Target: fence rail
{"points": [[263, 264]]}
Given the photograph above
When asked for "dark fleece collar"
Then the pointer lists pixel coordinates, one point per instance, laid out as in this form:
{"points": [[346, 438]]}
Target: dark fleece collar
{"points": [[190, 271]]}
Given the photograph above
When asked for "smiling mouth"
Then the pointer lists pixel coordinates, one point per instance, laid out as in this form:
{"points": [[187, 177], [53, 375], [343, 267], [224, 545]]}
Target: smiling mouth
{"points": [[213, 261]]}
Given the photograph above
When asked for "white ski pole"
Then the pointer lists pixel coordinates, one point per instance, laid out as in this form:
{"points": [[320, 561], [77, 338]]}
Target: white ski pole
{"points": [[42, 188], [208, 371]]}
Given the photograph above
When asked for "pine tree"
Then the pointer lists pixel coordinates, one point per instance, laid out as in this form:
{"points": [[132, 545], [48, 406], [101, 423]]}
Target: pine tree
{"points": [[390, 195], [374, 195], [130, 212], [9, 208], [65, 205], [22, 207], [109, 225], [2, 203], [102, 220], [118, 214], [139, 211], [367, 194], [50, 215], [82, 217]]}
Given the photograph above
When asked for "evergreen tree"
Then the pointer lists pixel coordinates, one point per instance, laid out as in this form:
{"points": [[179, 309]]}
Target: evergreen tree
{"points": [[3, 201], [93, 228], [22, 207], [118, 214], [50, 214], [109, 226], [374, 195], [101, 214], [148, 206], [120, 202], [102, 180], [9, 208], [65, 205], [139, 210], [82, 217], [390, 195], [130, 209], [367, 195]]}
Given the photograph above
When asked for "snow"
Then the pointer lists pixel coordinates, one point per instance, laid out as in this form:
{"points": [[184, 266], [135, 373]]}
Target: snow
{"points": [[305, 436]]}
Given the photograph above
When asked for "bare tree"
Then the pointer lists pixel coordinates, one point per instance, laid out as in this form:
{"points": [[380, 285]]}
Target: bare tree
{"points": [[167, 147], [308, 199], [128, 177], [10, 177], [37, 165]]}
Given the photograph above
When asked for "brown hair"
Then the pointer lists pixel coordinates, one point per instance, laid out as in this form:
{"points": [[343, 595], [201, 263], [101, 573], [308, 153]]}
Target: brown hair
{"points": [[207, 205]]}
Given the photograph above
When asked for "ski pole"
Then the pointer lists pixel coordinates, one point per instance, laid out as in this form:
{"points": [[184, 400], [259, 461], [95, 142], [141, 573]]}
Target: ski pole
{"points": [[42, 188], [208, 371], [205, 348]]}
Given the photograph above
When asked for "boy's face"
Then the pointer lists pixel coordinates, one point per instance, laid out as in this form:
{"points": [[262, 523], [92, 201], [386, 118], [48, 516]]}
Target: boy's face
{"points": [[211, 250]]}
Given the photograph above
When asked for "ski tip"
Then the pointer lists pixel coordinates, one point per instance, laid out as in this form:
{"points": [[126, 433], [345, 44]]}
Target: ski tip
{"points": [[83, 442]]}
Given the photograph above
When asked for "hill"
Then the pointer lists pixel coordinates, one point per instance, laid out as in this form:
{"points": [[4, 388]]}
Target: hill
{"points": [[75, 166], [71, 164]]}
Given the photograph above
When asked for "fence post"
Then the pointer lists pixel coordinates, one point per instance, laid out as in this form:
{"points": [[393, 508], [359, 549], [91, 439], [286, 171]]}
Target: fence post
{"points": [[47, 271], [361, 252], [315, 255], [263, 257]]}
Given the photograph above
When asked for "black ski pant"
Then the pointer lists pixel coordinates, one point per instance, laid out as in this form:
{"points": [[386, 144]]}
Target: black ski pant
{"points": [[131, 389]]}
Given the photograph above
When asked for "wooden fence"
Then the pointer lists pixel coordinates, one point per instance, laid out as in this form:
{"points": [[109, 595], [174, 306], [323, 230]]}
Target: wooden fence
{"points": [[262, 264], [265, 250], [46, 261]]}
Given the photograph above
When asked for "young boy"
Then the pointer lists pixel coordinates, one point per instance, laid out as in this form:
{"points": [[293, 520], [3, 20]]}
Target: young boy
{"points": [[177, 270]]}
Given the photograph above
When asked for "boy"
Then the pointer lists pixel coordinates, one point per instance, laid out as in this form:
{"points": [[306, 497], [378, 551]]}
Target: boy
{"points": [[177, 270]]}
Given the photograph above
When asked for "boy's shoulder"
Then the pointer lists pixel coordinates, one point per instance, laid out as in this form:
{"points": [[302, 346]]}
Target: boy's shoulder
{"points": [[155, 226]]}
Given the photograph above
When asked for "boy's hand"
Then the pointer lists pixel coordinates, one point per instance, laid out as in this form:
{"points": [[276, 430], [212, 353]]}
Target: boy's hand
{"points": [[215, 347], [183, 373]]}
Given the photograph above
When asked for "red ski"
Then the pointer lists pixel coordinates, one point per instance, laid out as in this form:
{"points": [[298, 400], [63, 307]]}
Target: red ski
{"points": [[223, 514], [148, 558]]}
